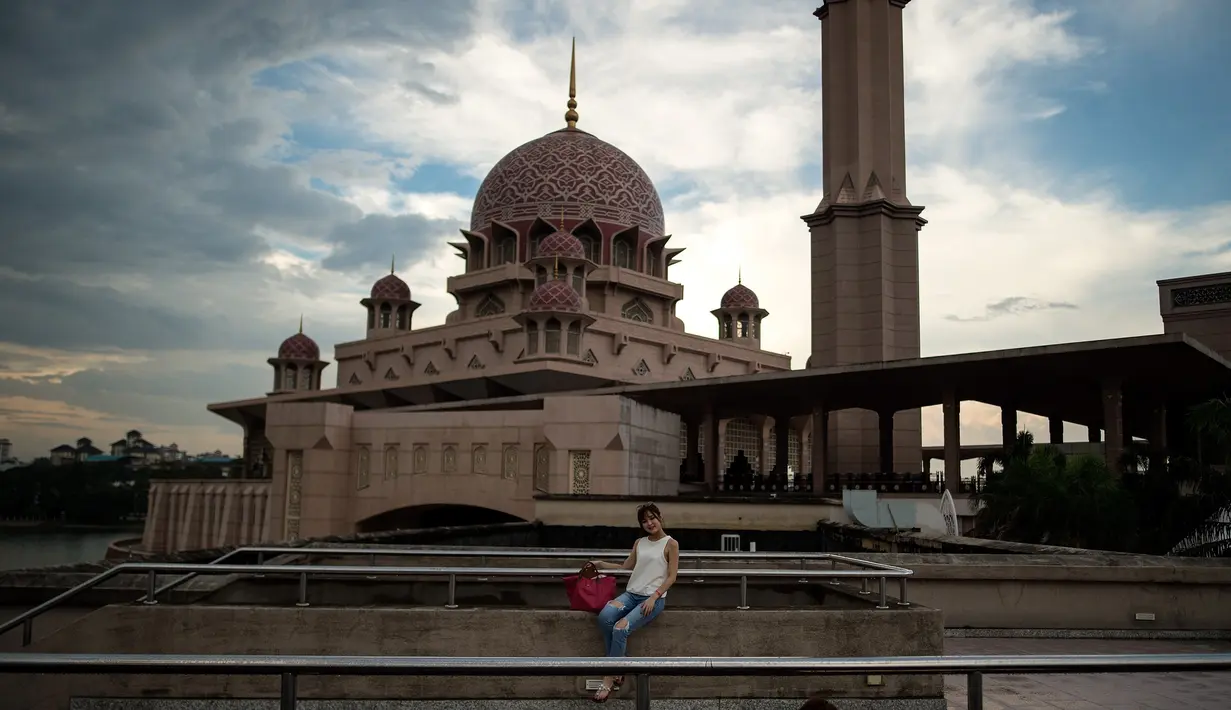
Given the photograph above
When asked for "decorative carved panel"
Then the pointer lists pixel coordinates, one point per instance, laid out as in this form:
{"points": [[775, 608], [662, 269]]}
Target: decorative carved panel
{"points": [[542, 468], [688, 375], [431, 369], [294, 493], [354, 379], [420, 458], [579, 472], [391, 461], [590, 358], [478, 459], [508, 462], [475, 363], [1201, 295], [363, 467], [642, 369], [448, 459], [390, 374]]}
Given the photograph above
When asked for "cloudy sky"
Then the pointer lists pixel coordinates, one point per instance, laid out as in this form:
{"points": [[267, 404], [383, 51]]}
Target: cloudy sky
{"points": [[180, 181]]}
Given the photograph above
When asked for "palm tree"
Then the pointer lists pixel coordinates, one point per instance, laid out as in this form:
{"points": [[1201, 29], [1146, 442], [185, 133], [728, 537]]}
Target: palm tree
{"points": [[1041, 496], [1210, 423]]}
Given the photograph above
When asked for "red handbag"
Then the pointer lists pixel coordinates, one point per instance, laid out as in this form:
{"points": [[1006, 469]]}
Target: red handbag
{"points": [[588, 590]]}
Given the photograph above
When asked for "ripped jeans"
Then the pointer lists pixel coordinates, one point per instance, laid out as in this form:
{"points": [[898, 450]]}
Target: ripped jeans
{"points": [[625, 608]]}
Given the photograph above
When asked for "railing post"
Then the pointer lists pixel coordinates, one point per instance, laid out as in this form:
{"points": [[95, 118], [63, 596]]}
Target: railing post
{"points": [[303, 589], [743, 596], [865, 586], [902, 592], [372, 563], [642, 699], [288, 691], [151, 588], [833, 564], [974, 691], [260, 560], [452, 603], [27, 631], [884, 595]]}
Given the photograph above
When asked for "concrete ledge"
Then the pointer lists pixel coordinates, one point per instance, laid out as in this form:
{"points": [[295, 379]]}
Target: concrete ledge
{"points": [[478, 632], [574, 704]]}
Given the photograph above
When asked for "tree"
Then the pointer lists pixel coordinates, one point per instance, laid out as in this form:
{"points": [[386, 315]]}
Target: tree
{"points": [[1041, 496]]}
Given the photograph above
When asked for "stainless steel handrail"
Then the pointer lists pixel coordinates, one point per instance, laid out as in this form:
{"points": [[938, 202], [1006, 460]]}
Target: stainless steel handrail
{"points": [[373, 552], [153, 569], [291, 667]]}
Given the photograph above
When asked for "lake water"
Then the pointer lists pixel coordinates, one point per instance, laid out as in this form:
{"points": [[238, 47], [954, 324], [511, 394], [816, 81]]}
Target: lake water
{"points": [[22, 548]]}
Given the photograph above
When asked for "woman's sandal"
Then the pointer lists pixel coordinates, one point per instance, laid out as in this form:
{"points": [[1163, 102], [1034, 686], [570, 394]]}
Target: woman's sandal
{"points": [[615, 684], [603, 693]]}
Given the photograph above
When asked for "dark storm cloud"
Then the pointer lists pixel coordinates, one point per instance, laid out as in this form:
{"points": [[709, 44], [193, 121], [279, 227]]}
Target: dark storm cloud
{"points": [[374, 239], [133, 143], [1013, 306]]}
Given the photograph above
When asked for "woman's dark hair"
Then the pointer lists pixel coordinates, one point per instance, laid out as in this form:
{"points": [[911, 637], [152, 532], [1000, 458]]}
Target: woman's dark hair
{"points": [[646, 510]]}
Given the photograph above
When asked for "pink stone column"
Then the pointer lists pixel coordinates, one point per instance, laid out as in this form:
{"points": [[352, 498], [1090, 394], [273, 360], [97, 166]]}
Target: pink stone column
{"points": [[952, 409]]}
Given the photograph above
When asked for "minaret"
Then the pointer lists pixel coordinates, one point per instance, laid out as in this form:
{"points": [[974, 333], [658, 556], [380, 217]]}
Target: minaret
{"points": [[865, 232]]}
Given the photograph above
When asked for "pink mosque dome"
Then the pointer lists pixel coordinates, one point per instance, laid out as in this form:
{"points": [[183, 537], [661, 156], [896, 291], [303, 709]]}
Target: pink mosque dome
{"points": [[299, 347], [568, 168], [390, 288], [555, 295], [740, 296], [563, 245]]}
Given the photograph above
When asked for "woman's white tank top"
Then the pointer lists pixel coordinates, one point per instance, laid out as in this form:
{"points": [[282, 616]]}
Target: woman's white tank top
{"points": [[651, 569]]}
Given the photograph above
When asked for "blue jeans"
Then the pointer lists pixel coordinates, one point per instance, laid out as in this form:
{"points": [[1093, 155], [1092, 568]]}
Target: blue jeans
{"points": [[627, 606]]}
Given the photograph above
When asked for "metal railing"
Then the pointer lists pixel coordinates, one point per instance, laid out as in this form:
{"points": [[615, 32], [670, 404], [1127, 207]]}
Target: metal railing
{"points": [[480, 574], [289, 668], [575, 554]]}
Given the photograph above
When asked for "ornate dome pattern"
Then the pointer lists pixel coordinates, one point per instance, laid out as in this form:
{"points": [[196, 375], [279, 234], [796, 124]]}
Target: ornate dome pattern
{"points": [[299, 347], [740, 296], [561, 244], [555, 295], [390, 287], [569, 168]]}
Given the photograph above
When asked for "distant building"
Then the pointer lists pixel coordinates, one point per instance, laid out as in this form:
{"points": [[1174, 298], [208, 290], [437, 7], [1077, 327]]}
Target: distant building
{"points": [[6, 450], [136, 449], [65, 453]]}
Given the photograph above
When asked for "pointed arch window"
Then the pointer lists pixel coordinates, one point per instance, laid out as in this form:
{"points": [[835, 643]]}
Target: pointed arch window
{"points": [[506, 251], [386, 315], [551, 336], [591, 247], [622, 253], [401, 317], [636, 311], [305, 379], [540, 275], [579, 281], [532, 338], [289, 377], [574, 338], [726, 326]]}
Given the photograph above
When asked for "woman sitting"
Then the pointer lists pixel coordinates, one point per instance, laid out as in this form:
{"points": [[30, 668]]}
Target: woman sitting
{"points": [[654, 562]]}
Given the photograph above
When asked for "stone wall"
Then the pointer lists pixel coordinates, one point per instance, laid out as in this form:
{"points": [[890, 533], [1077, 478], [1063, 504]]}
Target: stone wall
{"points": [[195, 514], [477, 632]]}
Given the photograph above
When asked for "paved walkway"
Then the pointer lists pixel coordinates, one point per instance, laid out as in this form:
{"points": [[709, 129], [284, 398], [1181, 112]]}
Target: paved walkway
{"points": [[1120, 691]]}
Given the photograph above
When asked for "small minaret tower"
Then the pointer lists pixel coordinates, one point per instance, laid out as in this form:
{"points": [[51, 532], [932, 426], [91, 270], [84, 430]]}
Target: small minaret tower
{"points": [[389, 305], [739, 315], [298, 366]]}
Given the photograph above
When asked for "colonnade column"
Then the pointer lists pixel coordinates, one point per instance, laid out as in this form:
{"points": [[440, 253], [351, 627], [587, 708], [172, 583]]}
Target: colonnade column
{"points": [[1055, 430], [712, 450], [820, 447], [1158, 437], [886, 440], [692, 428], [782, 443], [952, 409], [1008, 428], [1113, 422]]}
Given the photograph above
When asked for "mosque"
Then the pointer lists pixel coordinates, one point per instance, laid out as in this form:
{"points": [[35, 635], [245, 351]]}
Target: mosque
{"points": [[564, 375]]}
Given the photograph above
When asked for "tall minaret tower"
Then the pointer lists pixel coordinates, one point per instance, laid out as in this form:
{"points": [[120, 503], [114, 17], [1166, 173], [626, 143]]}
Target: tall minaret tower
{"points": [[865, 232]]}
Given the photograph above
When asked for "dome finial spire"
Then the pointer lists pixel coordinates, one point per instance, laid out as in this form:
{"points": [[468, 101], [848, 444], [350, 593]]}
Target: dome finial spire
{"points": [[570, 116], [739, 278], [555, 270], [392, 261], [301, 324]]}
